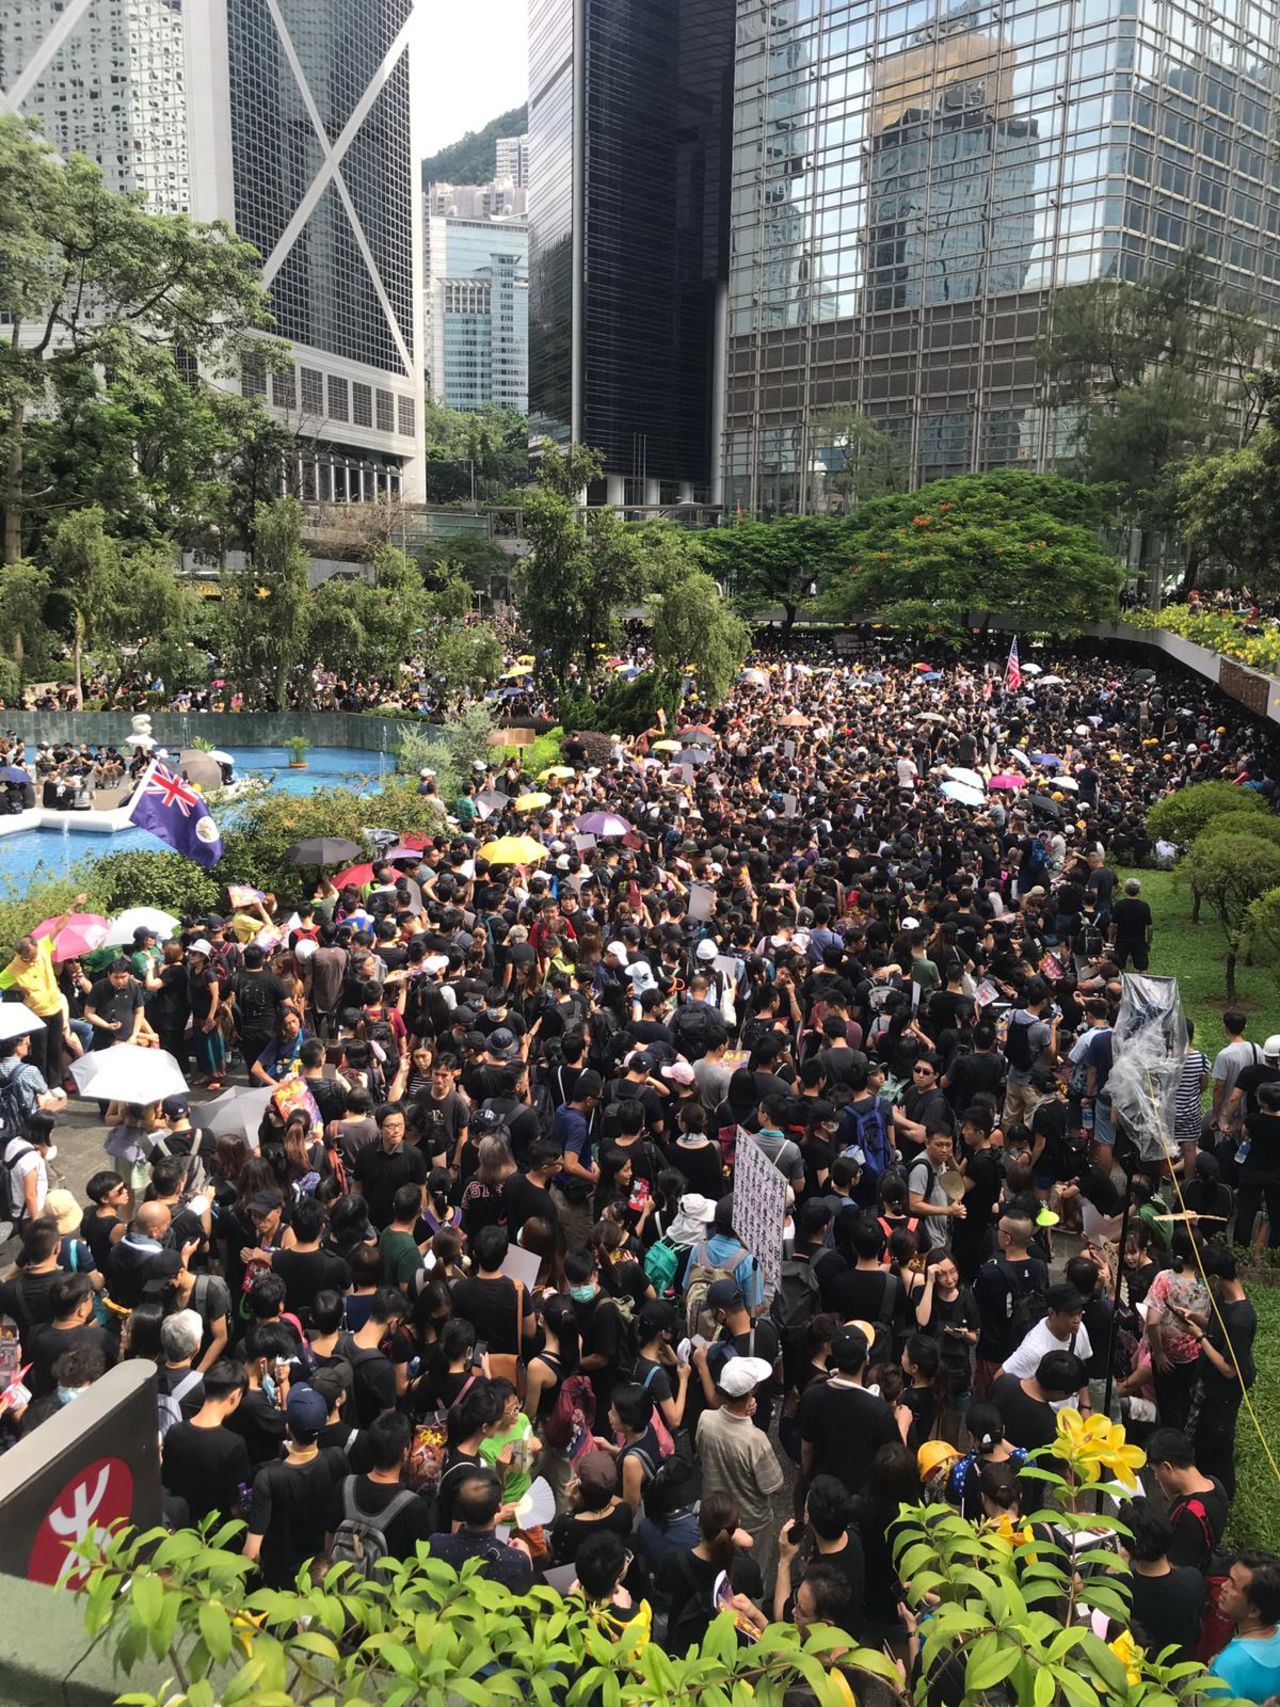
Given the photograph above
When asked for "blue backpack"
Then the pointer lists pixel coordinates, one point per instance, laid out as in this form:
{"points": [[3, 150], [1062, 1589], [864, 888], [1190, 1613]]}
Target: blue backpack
{"points": [[871, 1136]]}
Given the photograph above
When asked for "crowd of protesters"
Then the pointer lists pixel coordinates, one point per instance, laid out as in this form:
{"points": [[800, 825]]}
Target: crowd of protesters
{"points": [[470, 1273]]}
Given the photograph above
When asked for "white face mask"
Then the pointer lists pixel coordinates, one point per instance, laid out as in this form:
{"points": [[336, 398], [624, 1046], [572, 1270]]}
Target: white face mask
{"points": [[51, 1154]]}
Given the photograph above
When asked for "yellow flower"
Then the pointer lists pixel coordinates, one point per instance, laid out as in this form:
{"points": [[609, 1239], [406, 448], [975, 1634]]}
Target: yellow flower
{"points": [[1094, 1444], [1129, 1654]]}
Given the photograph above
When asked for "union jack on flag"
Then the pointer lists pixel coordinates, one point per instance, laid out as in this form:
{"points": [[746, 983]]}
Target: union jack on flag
{"points": [[168, 806], [1013, 669]]}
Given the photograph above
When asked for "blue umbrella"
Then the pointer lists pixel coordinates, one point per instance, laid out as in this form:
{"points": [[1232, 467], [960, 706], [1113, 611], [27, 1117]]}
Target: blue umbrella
{"points": [[11, 773], [931, 676], [1049, 759]]}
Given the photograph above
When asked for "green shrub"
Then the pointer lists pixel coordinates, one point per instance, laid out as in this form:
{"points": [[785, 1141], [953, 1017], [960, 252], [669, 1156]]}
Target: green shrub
{"points": [[544, 751], [1180, 816], [624, 708], [145, 879], [1240, 822]]}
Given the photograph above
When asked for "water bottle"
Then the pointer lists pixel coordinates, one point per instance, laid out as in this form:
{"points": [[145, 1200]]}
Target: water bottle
{"points": [[1086, 1120]]}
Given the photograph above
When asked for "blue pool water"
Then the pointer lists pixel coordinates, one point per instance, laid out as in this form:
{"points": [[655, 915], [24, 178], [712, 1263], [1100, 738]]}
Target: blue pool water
{"points": [[37, 854]]}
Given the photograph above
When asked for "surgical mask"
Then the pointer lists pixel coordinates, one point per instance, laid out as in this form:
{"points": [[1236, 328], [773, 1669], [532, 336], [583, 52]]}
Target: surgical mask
{"points": [[582, 1294], [269, 1387], [66, 1394], [51, 1153]]}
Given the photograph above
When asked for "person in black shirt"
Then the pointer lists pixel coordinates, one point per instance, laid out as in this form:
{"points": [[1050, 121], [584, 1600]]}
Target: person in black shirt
{"points": [[204, 1462], [500, 1313], [1198, 1504], [1026, 1406], [527, 1196], [114, 1006], [1259, 1176], [1168, 1599], [378, 1495], [1227, 1369], [1131, 928], [71, 1300], [842, 1425], [259, 998], [259, 1418], [382, 1168], [292, 1498]]}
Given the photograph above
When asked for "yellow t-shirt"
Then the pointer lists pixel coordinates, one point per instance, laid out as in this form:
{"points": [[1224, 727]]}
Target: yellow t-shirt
{"points": [[36, 979]]}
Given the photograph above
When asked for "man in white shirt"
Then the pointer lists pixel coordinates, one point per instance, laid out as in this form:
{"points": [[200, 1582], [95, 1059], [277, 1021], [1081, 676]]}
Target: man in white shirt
{"points": [[1062, 1329]]}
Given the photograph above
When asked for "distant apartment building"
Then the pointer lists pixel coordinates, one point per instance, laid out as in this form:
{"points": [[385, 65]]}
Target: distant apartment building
{"points": [[478, 306], [513, 160]]}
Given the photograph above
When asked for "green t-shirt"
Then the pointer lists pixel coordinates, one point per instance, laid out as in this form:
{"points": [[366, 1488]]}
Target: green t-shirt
{"points": [[401, 1255], [465, 809]]}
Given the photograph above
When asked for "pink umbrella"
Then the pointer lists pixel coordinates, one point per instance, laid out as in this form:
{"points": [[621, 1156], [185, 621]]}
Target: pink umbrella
{"points": [[1007, 781], [77, 934]]}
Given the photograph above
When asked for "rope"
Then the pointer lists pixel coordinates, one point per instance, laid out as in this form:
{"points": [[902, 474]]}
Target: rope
{"points": [[1213, 1304]]}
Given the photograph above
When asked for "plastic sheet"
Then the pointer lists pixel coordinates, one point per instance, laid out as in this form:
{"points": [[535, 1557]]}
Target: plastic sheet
{"points": [[1148, 1044]]}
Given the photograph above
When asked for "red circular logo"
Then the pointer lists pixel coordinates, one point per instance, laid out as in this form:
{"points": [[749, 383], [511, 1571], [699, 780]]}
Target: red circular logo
{"points": [[96, 1497]]}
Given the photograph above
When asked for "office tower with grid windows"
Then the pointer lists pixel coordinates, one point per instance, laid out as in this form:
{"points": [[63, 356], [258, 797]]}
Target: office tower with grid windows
{"points": [[513, 160], [478, 308], [913, 184], [630, 105], [291, 120]]}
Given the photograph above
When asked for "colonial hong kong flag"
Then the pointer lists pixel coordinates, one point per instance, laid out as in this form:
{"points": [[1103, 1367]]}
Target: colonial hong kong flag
{"points": [[170, 808], [1013, 669]]}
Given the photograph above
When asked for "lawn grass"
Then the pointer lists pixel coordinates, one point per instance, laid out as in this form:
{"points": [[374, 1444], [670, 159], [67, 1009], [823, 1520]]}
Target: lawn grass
{"points": [[1196, 956], [1255, 1511]]}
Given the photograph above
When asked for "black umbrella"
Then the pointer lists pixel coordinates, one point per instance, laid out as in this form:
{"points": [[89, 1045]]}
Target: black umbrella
{"points": [[1044, 803], [323, 850]]}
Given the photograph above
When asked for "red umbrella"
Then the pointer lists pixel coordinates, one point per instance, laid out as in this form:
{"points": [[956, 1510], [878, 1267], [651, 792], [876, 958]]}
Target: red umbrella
{"points": [[415, 839], [357, 874]]}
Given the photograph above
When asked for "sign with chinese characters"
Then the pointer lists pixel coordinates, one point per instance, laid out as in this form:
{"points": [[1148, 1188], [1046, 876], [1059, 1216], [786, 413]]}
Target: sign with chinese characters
{"points": [[759, 1206], [93, 1463]]}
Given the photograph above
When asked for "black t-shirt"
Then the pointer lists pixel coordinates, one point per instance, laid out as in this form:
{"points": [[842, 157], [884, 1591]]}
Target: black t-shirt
{"points": [[373, 1385], [865, 1295], [490, 1306], [523, 1201], [1167, 1610], [112, 1004], [702, 1165], [997, 1286], [205, 1467], [1197, 1521], [846, 1426], [974, 1075], [259, 999], [1056, 1160], [25, 1299], [1262, 1165], [601, 1327], [46, 1345], [168, 1007], [260, 1424], [290, 1509], [381, 1174], [413, 1523], [307, 1272], [1131, 917], [1028, 1422], [1241, 1322]]}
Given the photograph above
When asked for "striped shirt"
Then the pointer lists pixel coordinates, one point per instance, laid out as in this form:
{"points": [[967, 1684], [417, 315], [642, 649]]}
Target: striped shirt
{"points": [[1195, 1070]]}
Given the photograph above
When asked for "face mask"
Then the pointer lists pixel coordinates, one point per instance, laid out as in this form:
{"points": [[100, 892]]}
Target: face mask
{"points": [[66, 1394], [582, 1294], [269, 1387], [51, 1153]]}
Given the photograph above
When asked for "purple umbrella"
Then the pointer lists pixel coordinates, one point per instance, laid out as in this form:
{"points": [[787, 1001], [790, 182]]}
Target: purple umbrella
{"points": [[606, 824]]}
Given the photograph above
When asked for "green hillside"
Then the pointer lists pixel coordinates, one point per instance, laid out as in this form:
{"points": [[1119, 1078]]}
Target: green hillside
{"points": [[472, 160]]}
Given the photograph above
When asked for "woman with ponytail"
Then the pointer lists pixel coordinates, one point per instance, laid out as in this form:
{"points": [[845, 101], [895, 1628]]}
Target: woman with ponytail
{"points": [[986, 1431], [687, 1581]]}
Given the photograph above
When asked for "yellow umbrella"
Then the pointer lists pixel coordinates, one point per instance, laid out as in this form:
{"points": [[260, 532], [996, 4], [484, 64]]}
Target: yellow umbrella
{"points": [[512, 850], [665, 747], [532, 802], [526, 658], [517, 670], [556, 773]]}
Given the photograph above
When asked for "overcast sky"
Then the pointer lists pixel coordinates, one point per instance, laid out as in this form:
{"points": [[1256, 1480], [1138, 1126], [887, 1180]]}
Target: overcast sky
{"points": [[472, 65]]}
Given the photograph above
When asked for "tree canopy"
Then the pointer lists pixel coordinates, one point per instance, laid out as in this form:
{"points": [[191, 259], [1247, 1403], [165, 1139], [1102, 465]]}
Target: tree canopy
{"points": [[1025, 544], [1182, 815], [1229, 873]]}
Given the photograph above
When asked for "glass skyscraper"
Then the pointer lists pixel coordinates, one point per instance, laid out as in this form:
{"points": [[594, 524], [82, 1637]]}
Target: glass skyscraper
{"points": [[629, 133], [912, 184], [291, 120], [478, 291]]}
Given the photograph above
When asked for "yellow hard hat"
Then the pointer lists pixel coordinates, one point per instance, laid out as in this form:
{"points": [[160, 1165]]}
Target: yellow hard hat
{"points": [[933, 1455]]}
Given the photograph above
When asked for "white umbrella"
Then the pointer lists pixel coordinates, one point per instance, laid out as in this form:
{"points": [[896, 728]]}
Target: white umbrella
{"points": [[221, 758], [1020, 757], [964, 796], [122, 929], [16, 1020], [1052, 681], [970, 779], [1083, 729], [1033, 669], [1069, 783], [931, 717], [128, 1073]]}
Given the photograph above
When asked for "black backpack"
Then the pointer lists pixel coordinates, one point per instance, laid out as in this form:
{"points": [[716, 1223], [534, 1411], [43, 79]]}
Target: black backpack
{"points": [[696, 1029], [1017, 1047], [796, 1301], [13, 1115], [1028, 1304]]}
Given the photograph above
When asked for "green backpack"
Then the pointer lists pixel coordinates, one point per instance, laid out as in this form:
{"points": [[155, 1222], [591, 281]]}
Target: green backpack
{"points": [[662, 1265]]}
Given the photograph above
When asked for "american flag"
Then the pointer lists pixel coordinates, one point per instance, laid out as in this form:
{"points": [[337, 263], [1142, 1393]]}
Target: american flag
{"points": [[1013, 669]]}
